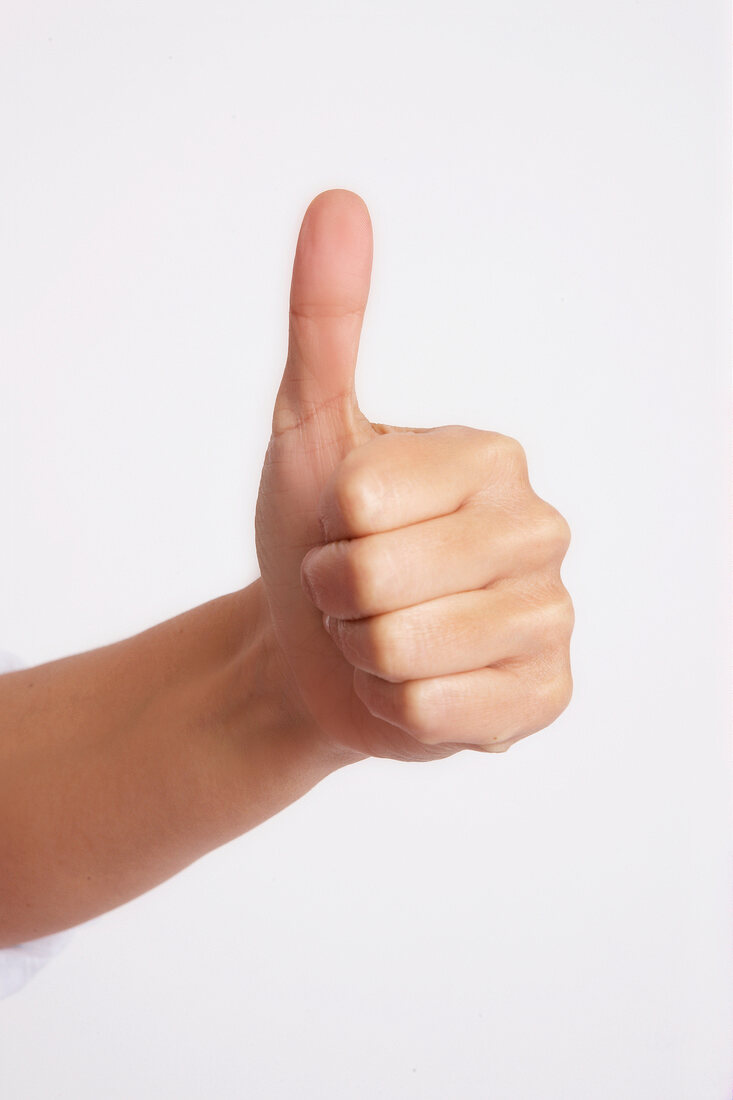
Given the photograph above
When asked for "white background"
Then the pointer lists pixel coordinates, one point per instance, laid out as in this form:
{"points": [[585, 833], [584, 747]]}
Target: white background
{"points": [[549, 187]]}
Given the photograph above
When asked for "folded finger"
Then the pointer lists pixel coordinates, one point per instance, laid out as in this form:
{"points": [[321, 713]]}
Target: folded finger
{"points": [[409, 476], [469, 549], [457, 633], [487, 709]]}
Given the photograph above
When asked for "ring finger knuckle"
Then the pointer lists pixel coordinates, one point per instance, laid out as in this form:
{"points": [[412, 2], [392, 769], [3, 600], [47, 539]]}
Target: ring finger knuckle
{"points": [[385, 649]]}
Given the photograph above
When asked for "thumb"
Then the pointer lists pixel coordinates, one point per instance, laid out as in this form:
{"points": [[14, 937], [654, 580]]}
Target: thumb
{"points": [[328, 297]]}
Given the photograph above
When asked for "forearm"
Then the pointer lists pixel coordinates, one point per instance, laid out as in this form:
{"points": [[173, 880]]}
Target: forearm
{"points": [[122, 765]]}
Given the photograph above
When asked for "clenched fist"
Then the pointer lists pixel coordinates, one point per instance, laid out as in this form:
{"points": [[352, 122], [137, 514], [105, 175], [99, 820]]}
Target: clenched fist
{"points": [[412, 575]]}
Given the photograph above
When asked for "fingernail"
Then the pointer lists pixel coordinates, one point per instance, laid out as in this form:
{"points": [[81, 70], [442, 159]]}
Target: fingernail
{"points": [[306, 578]]}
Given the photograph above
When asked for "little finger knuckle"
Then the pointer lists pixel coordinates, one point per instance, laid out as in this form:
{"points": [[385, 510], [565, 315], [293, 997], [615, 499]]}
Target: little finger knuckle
{"points": [[423, 707], [554, 697], [404, 705]]}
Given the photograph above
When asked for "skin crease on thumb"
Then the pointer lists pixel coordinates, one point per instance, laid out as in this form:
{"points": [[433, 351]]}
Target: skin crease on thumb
{"points": [[385, 429]]}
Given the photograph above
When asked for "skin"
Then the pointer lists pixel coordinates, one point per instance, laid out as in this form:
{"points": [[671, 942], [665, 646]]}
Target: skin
{"points": [[409, 606]]}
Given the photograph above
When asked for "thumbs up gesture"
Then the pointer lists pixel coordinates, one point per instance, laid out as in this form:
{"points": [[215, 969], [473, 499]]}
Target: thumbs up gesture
{"points": [[411, 575]]}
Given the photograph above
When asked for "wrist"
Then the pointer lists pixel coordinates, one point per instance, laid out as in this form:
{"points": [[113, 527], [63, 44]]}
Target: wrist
{"points": [[271, 743], [122, 765]]}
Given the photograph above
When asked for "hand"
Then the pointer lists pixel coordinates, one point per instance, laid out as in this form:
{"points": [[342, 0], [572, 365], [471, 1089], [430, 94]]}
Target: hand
{"points": [[412, 575]]}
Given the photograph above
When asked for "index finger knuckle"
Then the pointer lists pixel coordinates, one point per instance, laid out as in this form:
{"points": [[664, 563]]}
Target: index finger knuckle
{"points": [[355, 499]]}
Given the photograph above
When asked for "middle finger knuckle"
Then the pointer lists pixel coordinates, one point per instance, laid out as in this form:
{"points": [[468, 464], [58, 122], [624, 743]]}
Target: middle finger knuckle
{"points": [[363, 573]]}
